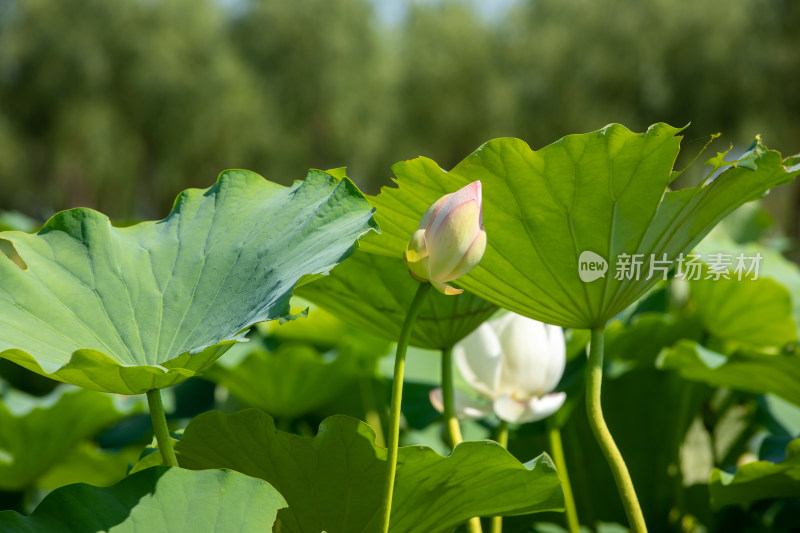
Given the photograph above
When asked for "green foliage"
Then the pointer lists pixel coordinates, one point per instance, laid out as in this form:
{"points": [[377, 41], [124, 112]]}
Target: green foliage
{"points": [[697, 373], [129, 310], [666, 406], [16, 221], [36, 434], [641, 341], [311, 72], [159, 499], [601, 192], [773, 265], [374, 292], [579, 65], [89, 464], [334, 480], [297, 377], [758, 480], [286, 383], [648, 411], [747, 311], [747, 371], [127, 107], [138, 99]]}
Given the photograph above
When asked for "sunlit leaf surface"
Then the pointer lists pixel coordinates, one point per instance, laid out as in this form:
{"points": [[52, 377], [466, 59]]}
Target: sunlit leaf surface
{"points": [[156, 500], [753, 312], [131, 309], [604, 193], [38, 433], [747, 371], [374, 293], [758, 480], [333, 482]]}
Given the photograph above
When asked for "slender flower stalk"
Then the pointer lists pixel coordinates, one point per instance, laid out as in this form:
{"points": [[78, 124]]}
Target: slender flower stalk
{"points": [[448, 243], [502, 439], [501, 435], [594, 381], [397, 395], [557, 451], [452, 427], [160, 428], [513, 361], [371, 415], [474, 525]]}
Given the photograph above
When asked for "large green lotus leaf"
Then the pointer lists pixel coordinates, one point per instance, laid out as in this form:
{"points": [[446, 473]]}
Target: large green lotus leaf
{"points": [[291, 381], [13, 220], [308, 362], [333, 482], [89, 464], [317, 327], [641, 341], [758, 480], [773, 265], [782, 417], [326, 332], [374, 292], [131, 309], [753, 312], [601, 192], [752, 372], [37, 433], [156, 500]]}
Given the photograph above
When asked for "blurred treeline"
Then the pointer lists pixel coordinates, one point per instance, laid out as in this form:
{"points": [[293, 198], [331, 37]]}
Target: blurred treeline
{"points": [[119, 105]]}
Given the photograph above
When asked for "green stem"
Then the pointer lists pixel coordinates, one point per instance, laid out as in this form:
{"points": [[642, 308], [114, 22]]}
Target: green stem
{"points": [[371, 415], [160, 428], [397, 395], [557, 449], [474, 525], [594, 410], [501, 435], [502, 439], [451, 425]]}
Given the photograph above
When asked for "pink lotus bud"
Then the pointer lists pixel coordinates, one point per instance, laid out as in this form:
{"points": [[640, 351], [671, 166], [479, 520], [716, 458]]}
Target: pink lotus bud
{"points": [[450, 240]]}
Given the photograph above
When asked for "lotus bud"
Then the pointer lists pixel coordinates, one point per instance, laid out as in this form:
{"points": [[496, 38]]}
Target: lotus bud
{"points": [[450, 239]]}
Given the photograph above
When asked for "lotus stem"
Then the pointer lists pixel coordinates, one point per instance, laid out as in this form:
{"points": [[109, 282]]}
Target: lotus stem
{"points": [[501, 435], [502, 439], [557, 449], [451, 424], [371, 415], [474, 525], [594, 410], [397, 396], [160, 428], [452, 427]]}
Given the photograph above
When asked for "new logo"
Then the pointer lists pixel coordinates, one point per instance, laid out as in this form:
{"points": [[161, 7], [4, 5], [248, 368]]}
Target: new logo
{"points": [[591, 266]]}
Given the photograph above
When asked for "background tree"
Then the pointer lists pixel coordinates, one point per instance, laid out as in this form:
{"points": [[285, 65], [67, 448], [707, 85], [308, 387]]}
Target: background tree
{"points": [[119, 106]]}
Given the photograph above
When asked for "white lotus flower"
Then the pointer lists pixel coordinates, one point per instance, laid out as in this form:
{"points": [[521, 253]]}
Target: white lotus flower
{"points": [[515, 362]]}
